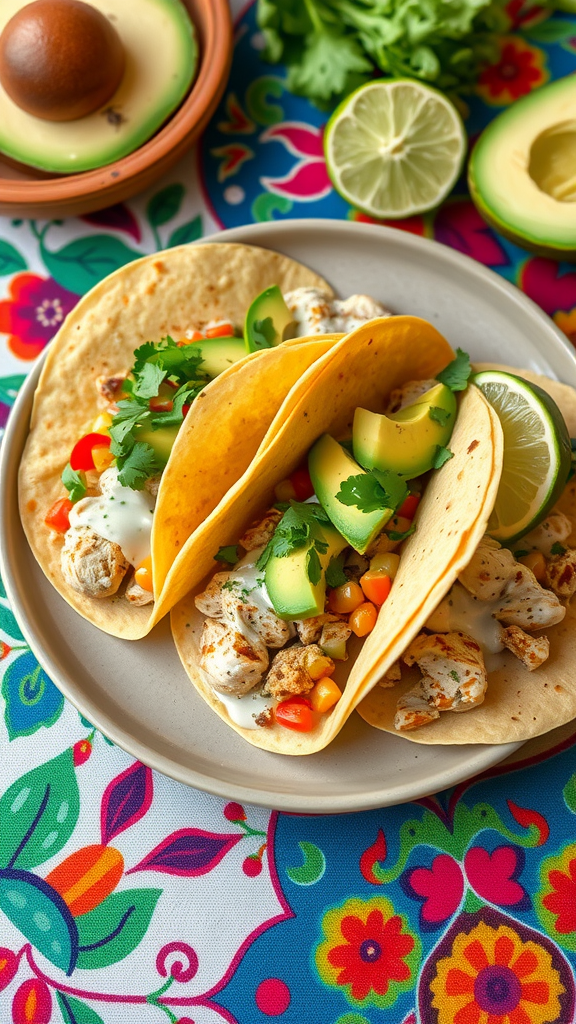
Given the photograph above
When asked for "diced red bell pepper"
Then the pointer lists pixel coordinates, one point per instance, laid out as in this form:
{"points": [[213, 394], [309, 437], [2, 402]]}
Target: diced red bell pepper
{"points": [[220, 331], [81, 457], [57, 517], [302, 484], [185, 410], [408, 507], [295, 713]]}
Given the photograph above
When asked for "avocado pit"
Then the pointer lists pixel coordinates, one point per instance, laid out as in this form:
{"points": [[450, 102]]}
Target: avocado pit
{"points": [[552, 163], [60, 60]]}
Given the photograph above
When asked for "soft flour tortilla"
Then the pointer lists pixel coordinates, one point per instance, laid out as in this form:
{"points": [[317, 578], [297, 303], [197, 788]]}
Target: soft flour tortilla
{"points": [[518, 704], [146, 300], [362, 369]]}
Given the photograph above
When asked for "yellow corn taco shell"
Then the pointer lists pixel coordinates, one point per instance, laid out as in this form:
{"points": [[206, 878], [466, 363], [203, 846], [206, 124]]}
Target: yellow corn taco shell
{"points": [[518, 704], [146, 300], [361, 369]]}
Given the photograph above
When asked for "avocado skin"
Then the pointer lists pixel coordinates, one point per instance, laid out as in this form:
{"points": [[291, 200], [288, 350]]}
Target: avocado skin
{"points": [[379, 440], [268, 306], [329, 464], [291, 592], [552, 252]]}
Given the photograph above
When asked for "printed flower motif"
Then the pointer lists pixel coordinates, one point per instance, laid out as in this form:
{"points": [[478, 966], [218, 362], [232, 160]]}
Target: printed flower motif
{"points": [[307, 181], [439, 888], [493, 977], [33, 313], [519, 70], [567, 323], [368, 952], [494, 876], [556, 903]]}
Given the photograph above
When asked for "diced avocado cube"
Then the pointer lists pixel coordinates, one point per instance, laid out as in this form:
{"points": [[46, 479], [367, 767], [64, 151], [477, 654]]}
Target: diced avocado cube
{"points": [[268, 320], [160, 440], [329, 464], [219, 353], [407, 441], [292, 593]]}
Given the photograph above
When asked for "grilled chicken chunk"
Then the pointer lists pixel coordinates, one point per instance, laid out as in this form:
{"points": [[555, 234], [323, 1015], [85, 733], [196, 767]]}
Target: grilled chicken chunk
{"points": [[561, 574], [555, 529], [453, 671], [91, 564], [296, 669], [260, 532], [234, 664], [532, 651]]}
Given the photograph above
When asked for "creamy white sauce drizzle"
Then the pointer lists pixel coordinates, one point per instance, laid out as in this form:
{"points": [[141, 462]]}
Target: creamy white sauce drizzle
{"points": [[460, 612], [315, 312], [120, 515], [244, 710]]}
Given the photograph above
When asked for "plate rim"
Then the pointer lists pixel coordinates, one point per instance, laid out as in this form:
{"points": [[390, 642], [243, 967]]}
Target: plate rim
{"points": [[341, 802]]}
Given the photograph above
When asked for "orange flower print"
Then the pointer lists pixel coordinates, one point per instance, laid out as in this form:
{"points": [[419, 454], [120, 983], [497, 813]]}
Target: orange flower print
{"points": [[567, 323], [368, 952], [520, 69], [493, 976]]}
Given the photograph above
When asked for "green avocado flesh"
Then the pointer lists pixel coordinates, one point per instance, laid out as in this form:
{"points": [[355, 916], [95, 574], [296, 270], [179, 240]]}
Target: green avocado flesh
{"points": [[268, 320], [287, 583], [161, 58], [160, 440], [329, 464], [522, 171], [219, 353], [406, 442]]}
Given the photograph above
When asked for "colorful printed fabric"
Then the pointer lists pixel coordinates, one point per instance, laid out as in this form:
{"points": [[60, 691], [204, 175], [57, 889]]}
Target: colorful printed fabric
{"points": [[126, 898]]}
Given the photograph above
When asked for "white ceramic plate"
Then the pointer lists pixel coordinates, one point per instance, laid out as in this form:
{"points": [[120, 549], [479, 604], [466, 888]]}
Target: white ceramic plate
{"points": [[137, 693]]}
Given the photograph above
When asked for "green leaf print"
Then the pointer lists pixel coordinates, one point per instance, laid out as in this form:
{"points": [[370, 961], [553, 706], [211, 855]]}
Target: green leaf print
{"points": [[41, 914], [165, 205], [10, 259], [10, 386], [188, 232], [8, 624], [81, 264], [76, 1012], [111, 931], [38, 813]]}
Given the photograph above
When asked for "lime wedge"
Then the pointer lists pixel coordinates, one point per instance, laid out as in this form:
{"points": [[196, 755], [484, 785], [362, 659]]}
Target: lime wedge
{"points": [[394, 148], [537, 453]]}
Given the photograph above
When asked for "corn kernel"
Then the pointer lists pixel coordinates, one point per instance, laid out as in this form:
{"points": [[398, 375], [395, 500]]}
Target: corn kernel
{"points": [[102, 457], [346, 598], [318, 665], [284, 491], [386, 561], [101, 423]]}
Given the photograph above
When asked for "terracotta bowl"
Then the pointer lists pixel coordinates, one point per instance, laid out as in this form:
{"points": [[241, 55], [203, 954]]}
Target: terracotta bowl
{"points": [[25, 192]]}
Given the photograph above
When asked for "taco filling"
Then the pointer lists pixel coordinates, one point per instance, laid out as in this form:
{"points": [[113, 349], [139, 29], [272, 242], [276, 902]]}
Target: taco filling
{"points": [[316, 568], [114, 472]]}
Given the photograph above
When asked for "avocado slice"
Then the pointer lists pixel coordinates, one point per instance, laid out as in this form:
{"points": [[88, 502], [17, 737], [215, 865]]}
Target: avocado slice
{"points": [[219, 353], [268, 320], [291, 592], [406, 442], [329, 464], [161, 58], [160, 440], [522, 171]]}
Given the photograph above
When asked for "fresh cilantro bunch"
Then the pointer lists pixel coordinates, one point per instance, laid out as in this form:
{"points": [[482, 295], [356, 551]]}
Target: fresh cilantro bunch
{"points": [[301, 526], [373, 491], [333, 46], [154, 364]]}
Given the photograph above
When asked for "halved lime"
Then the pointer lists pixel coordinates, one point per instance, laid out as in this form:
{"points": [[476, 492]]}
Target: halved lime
{"points": [[537, 453], [394, 148]]}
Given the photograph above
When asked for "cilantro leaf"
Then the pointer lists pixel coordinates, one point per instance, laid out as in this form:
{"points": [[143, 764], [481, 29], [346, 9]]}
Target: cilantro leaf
{"points": [[364, 492], [228, 554], [138, 466], [130, 414], [557, 548], [453, 673], [335, 575], [439, 415], [313, 567], [520, 553], [263, 333], [441, 456], [401, 534], [455, 375], [75, 483], [328, 61], [394, 487], [148, 381], [300, 525]]}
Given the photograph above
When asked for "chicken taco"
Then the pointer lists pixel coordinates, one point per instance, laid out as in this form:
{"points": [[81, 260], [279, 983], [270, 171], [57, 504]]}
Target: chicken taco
{"points": [[133, 442], [397, 465], [506, 627]]}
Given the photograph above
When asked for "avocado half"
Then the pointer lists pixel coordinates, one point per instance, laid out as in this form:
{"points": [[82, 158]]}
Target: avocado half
{"points": [[161, 58], [522, 172]]}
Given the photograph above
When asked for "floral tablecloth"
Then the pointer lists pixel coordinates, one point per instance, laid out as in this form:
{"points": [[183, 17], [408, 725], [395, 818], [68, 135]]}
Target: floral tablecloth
{"points": [[126, 898]]}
